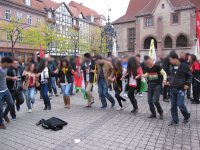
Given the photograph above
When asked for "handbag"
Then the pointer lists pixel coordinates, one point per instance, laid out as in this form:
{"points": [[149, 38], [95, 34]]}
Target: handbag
{"points": [[58, 82]]}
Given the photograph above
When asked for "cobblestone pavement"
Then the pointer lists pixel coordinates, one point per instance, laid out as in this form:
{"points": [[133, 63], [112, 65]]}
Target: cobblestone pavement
{"points": [[101, 128]]}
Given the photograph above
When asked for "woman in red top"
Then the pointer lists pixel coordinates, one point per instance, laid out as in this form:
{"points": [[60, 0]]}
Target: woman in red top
{"points": [[195, 80], [29, 85], [133, 70]]}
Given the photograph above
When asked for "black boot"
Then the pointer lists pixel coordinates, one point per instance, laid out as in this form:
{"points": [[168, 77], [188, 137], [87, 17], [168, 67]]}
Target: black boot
{"points": [[49, 106], [45, 108]]}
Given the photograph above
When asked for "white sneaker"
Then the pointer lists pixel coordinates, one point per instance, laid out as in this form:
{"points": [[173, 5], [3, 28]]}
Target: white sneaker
{"points": [[119, 108], [124, 104], [30, 110], [141, 95]]}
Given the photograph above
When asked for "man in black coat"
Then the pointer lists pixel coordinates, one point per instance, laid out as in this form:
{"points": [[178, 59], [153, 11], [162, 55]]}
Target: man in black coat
{"points": [[73, 65], [87, 67], [15, 86]]}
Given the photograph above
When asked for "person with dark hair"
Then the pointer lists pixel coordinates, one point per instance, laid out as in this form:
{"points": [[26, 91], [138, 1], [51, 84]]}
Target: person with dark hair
{"points": [[133, 70], [5, 95], [118, 69], [183, 58], [124, 81], [88, 68], [52, 66], [45, 80], [154, 72], [29, 85], [179, 80], [105, 74], [73, 65], [15, 86], [65, 75], [194, 65], [166, 89]]}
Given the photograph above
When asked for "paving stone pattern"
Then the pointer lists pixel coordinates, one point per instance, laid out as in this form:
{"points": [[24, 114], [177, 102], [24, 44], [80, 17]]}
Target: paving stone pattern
{"points": [[101, 128]]}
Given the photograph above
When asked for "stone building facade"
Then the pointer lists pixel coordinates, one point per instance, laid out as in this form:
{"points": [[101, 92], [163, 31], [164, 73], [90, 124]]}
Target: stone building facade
{"points": [[171, 23]]}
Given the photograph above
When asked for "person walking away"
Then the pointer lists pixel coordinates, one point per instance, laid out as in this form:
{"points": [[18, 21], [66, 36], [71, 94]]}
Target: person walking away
{"points": [[118, 69], [53, 68], [15, 86], [73, 65], [105, 73], [109, 59], [65, 76], [45, 79], [179, 81], [154, 71], [88, 68], [29, 84], [133, 70], [5, 95], [124, 82], [194, 65]]}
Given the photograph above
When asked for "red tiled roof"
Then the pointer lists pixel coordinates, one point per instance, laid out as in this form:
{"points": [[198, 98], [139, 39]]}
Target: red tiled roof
{"points": [[34, 4], [51, 4], [196, 3], [148, 8], [76, 26], [180, 4], [75, 11], [135, 6]]}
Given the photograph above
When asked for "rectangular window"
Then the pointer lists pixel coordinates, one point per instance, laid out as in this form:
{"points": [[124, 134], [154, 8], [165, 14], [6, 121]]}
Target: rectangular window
{"points": [[63, 30], [8, 35], [63, 8], [69, 20], [57, 16], [83, 25], [175, 18], [38, 21], [28, 2], [63, 18], [7, 14], [149, 22], [19, 16], [163, 6], [132, 37], [74, 22], [29, 19], [49, 14], [20, 37], [86, 26]]}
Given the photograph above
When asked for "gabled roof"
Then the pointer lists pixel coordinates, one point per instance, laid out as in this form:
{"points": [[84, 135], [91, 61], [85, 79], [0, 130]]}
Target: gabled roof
{"points": [[135, 6], [34, 4], [51, 4], [196, 3], [75, 11]]}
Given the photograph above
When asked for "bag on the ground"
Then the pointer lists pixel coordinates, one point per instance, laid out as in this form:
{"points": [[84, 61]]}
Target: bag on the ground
{"points": [[52, 123]]}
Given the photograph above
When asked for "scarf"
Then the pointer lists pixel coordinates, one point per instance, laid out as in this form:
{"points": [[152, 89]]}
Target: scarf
{"points": [[18, 83], [65, 70]]}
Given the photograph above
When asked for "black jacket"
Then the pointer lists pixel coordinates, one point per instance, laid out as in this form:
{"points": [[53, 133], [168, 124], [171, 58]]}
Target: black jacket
{"points": [[73, 65], [91, 74], [11, 74], [182, 77], [143, 65], [166, 65], [68, 75]]}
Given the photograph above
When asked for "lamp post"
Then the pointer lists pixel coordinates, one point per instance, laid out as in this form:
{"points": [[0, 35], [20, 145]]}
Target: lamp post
{"points": [[109, 34]]}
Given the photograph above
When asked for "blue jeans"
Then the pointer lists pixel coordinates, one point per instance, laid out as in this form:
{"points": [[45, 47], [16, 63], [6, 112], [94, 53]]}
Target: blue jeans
{"points": [[44, 90], [53, 83], [65, 89], [30, 96], [103, 92], [5, 97], [72, 86], [177, 99]]}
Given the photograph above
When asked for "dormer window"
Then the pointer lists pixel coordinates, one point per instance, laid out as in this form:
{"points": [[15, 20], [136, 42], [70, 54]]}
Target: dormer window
{"points": [[80, 16], [28, 2], [92, 18], [74, 22], [49, 14]]}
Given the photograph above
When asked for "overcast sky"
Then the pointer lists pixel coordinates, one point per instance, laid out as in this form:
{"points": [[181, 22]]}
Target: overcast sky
{"points": [[118, 7]]}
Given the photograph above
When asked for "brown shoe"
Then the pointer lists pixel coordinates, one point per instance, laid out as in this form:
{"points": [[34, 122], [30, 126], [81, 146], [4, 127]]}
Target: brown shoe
{"points": [[2, 126], [68, 102], [65, 101], [6, 119]]}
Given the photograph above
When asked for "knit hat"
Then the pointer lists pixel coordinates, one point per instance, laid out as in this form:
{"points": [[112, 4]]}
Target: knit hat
{"points": [[87, 55]]}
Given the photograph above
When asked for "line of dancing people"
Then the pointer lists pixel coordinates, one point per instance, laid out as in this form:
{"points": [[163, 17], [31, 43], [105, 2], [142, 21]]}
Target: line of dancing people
{"points": [[179, 77]]}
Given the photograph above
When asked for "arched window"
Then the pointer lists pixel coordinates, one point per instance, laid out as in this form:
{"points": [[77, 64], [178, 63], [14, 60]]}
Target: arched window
{"points": [[168, 42], [147, 43], [181, 41]]}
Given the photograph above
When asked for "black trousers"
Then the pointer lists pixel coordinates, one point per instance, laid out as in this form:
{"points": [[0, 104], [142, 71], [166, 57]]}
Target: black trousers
{"points": [[166, 91], [19, 98], [196, 92], [132, 97]]}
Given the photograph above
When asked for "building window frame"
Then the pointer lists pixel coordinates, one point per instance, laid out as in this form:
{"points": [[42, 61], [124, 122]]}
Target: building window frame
{"points": [[63, 18], [29, 19], [172, 23], [20, 37], [8, 38], [19, 16], [28, 2], [74, 22], [38, 21], [8, 14], [149, 21], [50, 14], [163, 6], [131, 35], [145, 25]]}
